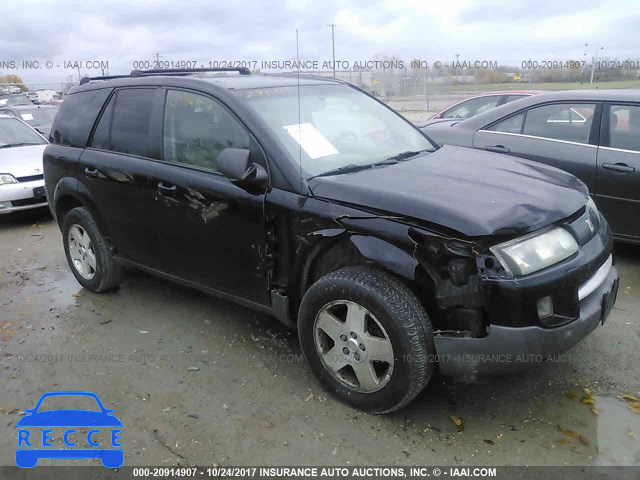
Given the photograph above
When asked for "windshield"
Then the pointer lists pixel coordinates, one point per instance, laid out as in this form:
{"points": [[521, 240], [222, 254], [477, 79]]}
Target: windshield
{"points": [[15, 133], [20, 99], [69, 402], [334, 126], [38, 116]]}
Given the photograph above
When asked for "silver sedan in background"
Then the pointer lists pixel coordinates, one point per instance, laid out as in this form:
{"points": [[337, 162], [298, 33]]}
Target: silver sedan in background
{"points": [[21, 177]]}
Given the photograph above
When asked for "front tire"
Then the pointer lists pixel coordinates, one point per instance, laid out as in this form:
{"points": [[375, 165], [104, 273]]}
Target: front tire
{"points": [[367, 338], [88, 253]]}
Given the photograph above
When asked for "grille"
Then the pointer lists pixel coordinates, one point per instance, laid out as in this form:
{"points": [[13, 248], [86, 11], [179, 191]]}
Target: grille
{"points": [[28, 201], [31, 178]]}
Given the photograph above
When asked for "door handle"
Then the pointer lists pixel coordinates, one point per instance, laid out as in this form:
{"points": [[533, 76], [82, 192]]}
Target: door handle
{"points": [[91, 172], [497, 149], [166, 189], [618, 167]]}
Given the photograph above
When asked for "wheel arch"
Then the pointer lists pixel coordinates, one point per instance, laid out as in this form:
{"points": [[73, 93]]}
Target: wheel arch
{"points": [[338, 248], [355, 249], [70, 194]]}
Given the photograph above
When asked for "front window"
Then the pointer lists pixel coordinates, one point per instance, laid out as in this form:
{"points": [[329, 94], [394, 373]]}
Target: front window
{"points": [[328, 127], [14, 133], [565, 121], [197, 129]]}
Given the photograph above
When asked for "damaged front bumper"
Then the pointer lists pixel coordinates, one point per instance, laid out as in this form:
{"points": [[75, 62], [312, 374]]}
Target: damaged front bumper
{"points": [[507, 349]]}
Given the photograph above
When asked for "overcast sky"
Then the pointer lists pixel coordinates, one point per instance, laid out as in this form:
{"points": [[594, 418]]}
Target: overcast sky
{"points": [[122, 32]]}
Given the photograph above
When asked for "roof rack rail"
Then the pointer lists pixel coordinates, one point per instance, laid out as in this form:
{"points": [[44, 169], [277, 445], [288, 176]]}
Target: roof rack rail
{"points": [[186, 71], [84, 80], [306, 75], [169, 72]]}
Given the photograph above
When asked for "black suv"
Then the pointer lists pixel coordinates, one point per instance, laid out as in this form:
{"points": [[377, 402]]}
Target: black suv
{"points": [[310, 200]]}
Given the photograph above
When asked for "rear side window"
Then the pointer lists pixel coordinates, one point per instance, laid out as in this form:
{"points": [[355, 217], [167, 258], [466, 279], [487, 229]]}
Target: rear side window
{"points": [[472, 107], [102, 136], [77, 115]]}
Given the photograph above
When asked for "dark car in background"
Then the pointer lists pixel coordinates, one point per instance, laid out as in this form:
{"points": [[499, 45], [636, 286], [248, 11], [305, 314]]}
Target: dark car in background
{"points": [[39, 117], [306, 198], [476, 104], [593, 134], [14, 99]]}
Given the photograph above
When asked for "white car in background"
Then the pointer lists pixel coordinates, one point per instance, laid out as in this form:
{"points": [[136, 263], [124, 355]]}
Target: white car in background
{"points": [[33, 96], [21, 177]]}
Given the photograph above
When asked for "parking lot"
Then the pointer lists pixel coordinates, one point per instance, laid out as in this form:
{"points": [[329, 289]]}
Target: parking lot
{"points": [[197, 380]]}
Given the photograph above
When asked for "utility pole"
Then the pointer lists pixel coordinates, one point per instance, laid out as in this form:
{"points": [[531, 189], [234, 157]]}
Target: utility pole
{"points": [[333, 46], [426, 85], [594, 60]]}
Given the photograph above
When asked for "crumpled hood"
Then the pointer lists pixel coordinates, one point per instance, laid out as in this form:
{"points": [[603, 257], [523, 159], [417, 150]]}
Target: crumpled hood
{"points": [[471, 191], [22, 161]]}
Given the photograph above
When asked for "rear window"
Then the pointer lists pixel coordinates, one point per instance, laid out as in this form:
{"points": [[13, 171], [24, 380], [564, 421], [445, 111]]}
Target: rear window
{"points": [[77, 116]]}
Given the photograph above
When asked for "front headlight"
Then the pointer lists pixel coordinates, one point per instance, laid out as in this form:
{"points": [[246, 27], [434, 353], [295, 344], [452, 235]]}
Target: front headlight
{"points": [[530, 253], [6, 178]]}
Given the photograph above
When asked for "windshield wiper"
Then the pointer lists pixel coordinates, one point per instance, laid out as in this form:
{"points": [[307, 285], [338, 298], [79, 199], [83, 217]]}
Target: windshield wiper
{"points": [[354, 168], [9, 145], [407, 154]]}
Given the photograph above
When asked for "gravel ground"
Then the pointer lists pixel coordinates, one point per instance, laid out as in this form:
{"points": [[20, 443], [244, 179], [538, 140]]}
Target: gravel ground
{"points": [[197, 380]]}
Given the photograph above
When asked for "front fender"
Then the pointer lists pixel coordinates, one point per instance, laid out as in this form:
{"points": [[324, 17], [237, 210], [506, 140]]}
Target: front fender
{"points": [[386, 255]]}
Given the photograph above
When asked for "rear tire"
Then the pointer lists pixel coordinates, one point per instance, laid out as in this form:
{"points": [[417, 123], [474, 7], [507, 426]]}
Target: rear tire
{"points": [[380, 367], [88, 253]]}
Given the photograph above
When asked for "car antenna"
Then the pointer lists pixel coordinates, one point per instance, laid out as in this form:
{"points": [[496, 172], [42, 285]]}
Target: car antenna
{"points": [[299, 114]]}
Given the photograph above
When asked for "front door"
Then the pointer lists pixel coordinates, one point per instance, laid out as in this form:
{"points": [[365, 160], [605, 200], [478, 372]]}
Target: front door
{"points": [[618, 181], [209, 230]]}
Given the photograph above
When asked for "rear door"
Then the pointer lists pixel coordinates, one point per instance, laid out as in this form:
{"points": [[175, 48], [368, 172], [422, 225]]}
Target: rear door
{"points": [[563, 135], [69, 136], [618, 182], [114, 169], [209, 230]]}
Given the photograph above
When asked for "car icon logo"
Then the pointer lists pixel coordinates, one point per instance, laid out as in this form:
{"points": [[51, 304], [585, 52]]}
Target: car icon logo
{"points": [[36, 434], [590, 223]]}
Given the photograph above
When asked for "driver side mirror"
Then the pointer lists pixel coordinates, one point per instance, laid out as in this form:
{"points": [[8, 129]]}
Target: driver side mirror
{"points": [[236, 165]]}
